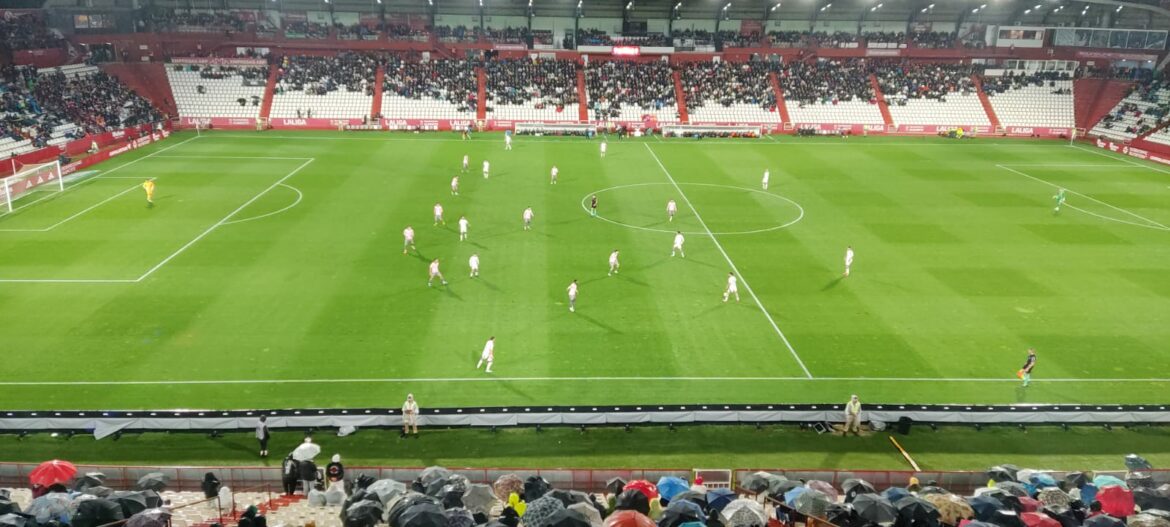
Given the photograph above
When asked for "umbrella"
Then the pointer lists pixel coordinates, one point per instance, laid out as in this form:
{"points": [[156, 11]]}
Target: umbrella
{"points": [[99, 491], [150, 518], [1029, 504], [385, 489], [7, 507], [54, 505], [52, 473], [719, 498], [541, 510], [670, 486], [780, 487], [875, 509], [430, 474], [589, 512], [1002, 473], [854, 486], [1147, 520], [1147, 499], [479, 498], [825, 487], [842, 515], [1103, 520], [1042, 480], [459, 517], [569, 497], [1054, 498], [155, 481], [790, 496], [1088, 493], [633, 500], [894, 494], [535, 487], [755, 482], [985, 507], [90, 479], [1135, 463], [628, 518], [507, 484], [931, 489], [423, 514], [1163, 490], [1036, 519], [1116, 501], [916, 512], [306, 451], [1075, 479], [94, 512], [132, 502], [615, 485], [951, 508], [567, 518], [811, 503], [1107, 480], [1136, 480], [443, 486], [643, 486], [680, 512], [396, 506], [693, 496], [744, 513], [1006, 518], [1012, 488], [16, 520]]}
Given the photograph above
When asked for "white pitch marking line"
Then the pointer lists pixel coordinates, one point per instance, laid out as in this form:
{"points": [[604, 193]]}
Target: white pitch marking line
{"points": [[1134, 214], [1070, 165], [236, 157], [969, 144], [1116, 158], [65, 281], [222, 221], [729, 262], [566, 379], [296, 202]]}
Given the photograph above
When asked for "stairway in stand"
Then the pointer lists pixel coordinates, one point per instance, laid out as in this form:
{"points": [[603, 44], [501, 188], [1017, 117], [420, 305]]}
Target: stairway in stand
{"points": [[582, 97], [148, 80], [780, 106], [881, 100], [1093, 99], [269, 92], [680, 96], [986, 102], [481, 93], [379, 77]]}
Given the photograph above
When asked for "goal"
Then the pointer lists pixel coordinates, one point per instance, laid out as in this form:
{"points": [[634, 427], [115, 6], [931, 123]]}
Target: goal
{"points": [[46, 176]]}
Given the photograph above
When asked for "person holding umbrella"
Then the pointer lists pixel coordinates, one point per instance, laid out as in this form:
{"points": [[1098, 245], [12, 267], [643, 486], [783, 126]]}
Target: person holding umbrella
{"points": [[262, 435], [853, 416], [307, 469]]}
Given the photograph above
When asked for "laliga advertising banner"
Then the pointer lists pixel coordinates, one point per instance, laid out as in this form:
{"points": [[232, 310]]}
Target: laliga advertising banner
{"points": [[1133, 152]]}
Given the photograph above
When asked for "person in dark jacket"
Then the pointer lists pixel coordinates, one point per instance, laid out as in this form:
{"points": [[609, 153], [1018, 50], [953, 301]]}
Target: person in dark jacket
{"points": [[210, 485], [308, 474], [289, 473], [335, 471], [263, 435]]}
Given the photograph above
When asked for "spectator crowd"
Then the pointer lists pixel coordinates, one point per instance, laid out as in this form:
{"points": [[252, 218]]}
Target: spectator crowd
{"points": [[617, 86], [901, 81], [320, 75], [727, 83], [826, 82], [28, 31], [452, 81], [544, 82]]}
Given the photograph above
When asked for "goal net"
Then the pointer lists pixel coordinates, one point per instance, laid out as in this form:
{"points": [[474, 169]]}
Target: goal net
{"points": [[31, 178]]}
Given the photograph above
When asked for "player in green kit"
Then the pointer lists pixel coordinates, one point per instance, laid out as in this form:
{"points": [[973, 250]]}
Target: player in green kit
{"points": [[1059, 198]]}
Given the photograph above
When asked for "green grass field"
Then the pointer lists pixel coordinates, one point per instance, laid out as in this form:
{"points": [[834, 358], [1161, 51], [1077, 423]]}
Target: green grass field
{"points": [[270, 274]]}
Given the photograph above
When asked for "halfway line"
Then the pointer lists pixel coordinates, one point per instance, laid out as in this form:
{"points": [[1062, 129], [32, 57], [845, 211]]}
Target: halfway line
{"points": [[431, 380]]}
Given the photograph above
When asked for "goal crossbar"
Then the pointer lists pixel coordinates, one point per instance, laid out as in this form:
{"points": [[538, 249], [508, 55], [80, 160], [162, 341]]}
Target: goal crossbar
{"points": [[46, 176]]}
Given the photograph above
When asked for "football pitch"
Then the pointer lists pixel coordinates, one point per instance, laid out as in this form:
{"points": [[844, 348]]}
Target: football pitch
{"points": [[270, 274]]}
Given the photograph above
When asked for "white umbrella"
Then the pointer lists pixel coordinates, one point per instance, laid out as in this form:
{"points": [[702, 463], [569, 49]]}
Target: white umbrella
{"points": [[744, 513], [306, 451]]}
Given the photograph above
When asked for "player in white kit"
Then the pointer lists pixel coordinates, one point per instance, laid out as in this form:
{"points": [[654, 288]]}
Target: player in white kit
{"points": [[486, 167], [678, 243], [573, 296], [671, 210], [553, 175], [473, 263], [455, 186], [507, 141], [528, 216], [434, 273], [466, 162], [614, 264], [732, 289], [488, 355], [463, 223], [848, 259], [767, 176], [439, 214], [408, 239], [604, 146]]}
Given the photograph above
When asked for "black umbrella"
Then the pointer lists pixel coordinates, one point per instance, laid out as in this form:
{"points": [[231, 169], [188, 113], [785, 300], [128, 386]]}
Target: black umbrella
{"points": [[985, 507], [155, 481], [1067, 517], [843, 516], [680, 512], [459, 517], [430, 474], [1147, 499], [153, 500], [451, 499], [916, 512], [535, 487], [1135, 463], [132, 502], [854, 486], [1002, 473], [1013, 488], [931, 489], [692, 496], [1137, 480], [13, 519], [875, 509], [567, 518], [7, 507], [99, 491], [1009, 500], [423, 515], [569, 497], [1006, 519], [90, 479], [400, 504], [633, 500], [1076, 480], [615, 485], [1103, 520], [91, 513], [365, 513]]}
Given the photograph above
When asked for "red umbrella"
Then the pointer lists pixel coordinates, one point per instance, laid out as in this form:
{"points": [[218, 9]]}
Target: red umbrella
{"points": [[627, 518], [647, 488], [1029, 504], [1035, 519], [1116, 501], [57, 471]]}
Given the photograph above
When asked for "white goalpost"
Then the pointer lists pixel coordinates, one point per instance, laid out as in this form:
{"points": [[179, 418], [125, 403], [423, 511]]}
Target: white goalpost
{"points": [[45, 176]]}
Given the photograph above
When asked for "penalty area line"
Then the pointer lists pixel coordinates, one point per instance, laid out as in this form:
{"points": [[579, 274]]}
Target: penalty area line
{"points": [[719, 246], [435, 380], [1152, 224]]}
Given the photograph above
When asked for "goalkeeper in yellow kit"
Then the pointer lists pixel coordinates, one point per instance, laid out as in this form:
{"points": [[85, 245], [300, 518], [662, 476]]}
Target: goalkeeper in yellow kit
{"points": [[148, 186]]}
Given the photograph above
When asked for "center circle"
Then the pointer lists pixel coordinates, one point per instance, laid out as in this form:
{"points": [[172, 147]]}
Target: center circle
{"points": [[683, 205]]}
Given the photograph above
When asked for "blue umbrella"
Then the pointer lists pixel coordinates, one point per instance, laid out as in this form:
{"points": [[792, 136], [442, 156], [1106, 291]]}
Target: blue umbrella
{"points": [[719, 498], [670, 486], [985, 507], [1042, 480], [790, 496], [895, 493], [1105, 481], [1088, 493]]}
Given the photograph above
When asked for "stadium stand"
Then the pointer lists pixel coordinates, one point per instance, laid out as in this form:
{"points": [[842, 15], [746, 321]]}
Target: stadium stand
{"points": [[729, 92], [593, 37], [325, 87], [90, 100], [532, 90], [931, 94], [192, 22], [437, 89], [1032, 99], [1139, 112], [631, 90], [28, 31], [829, 91], [217, 91]]}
